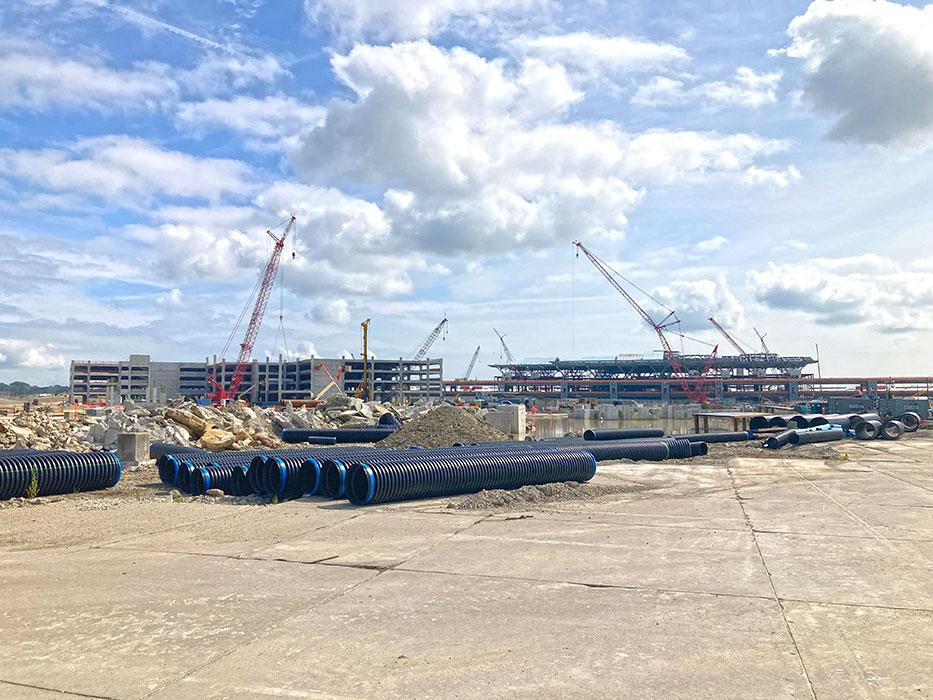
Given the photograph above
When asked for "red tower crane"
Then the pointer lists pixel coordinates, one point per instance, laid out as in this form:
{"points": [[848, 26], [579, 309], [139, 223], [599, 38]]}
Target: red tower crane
{"points": [[693, 388], [255, 321]]}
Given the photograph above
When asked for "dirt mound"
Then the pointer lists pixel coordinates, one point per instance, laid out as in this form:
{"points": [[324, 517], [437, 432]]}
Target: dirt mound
{"points": [[540, 494], [442, 427]]}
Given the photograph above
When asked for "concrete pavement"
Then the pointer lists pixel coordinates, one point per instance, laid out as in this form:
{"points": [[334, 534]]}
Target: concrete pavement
{"points": [[754, 578]]}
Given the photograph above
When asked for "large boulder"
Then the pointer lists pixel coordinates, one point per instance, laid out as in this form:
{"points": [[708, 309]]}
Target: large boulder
{"points": [[195, 425], [215, 439]]}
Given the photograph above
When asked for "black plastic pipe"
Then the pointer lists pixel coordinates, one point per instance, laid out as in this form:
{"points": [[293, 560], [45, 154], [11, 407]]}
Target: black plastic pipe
{"points": [[868, 429], [157, 449], [57, 472], [699, 449], [911, 421], [777, 441], [740, 436], [622, 433], [373, 433], [891, 430], [810, 436], [383, 482]]}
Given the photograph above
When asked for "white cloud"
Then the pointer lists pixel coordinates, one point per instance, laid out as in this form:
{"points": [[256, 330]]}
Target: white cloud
{"points": [[473, 154], [26, 354], [30, 79], [867, 289], [273, 117], [772, 177], [696, 300], [869, 64], [711, 244], [747, 89], [600, 55], [230, 72], [386, 20], [173, 297], [331, 311], [113, 167]]}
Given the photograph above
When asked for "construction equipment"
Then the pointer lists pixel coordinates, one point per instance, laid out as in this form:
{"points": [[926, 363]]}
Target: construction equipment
{"points": [[764, 345], [262, 292], [364, 390], [333, 380], [505, 348], [429, 341], [692, 388], [472, 364], [725, 334]]}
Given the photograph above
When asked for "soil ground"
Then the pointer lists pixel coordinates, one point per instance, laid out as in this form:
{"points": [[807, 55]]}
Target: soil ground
{"points": [[745, 574]]}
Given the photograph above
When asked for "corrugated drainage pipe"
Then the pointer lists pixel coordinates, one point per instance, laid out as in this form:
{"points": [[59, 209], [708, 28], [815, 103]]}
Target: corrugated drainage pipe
{"points": [[777, 441], [741, 436], [679, 447], [373, 433], [622, 434], [395, 481], [699, 449], [809, 436], [239, 482], [867, 429], [891, 430], [778, 421], [57, 472], [911, 421], [158, 449], [758, 423]]}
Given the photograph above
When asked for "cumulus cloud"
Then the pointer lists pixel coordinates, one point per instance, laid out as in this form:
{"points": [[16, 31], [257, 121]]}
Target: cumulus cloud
{"points": [[387, 20], [331, 311], [868, 64], [36, 80], [747, 89], [29, 355], [867, 289], [696, 300], [711, 244], [476, 155], [114, 167], [275, 117], [596, 55]]}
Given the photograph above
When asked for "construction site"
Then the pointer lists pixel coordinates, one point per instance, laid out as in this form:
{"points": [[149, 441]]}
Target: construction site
{"points": [[357, 527]]}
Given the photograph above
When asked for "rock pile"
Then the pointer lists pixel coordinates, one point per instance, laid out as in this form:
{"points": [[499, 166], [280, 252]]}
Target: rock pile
{"points": [[442, 426], [235, 427]]}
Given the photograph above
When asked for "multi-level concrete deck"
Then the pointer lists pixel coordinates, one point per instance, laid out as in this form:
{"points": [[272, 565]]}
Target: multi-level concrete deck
{"points": [[754, 578]]}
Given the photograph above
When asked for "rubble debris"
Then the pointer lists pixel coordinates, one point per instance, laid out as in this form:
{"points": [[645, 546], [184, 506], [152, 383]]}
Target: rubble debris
{"points": [[234, 427], [442, 426]]}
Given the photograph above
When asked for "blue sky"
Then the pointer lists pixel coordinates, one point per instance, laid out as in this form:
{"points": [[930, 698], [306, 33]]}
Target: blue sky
{"points": [[766, 163]]}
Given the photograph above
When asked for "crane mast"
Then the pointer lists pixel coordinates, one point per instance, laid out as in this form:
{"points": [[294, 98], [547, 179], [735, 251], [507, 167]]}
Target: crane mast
{"points": [[429, 341], [725, 334], [255, 320], [472, 364]]}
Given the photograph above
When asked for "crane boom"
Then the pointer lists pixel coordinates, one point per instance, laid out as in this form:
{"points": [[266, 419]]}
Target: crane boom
{"points": [[764, 345], [725, 334], [255, 320], [429, 341], [505, 348], [472, 364], [692, 387], [657, 327]]}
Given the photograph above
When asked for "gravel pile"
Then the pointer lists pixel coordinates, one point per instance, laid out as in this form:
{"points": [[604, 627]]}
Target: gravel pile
{"points": [[442, 427]]}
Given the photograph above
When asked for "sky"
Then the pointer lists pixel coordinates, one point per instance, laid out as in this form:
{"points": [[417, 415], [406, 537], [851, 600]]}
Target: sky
{"points": [[766, 163]]}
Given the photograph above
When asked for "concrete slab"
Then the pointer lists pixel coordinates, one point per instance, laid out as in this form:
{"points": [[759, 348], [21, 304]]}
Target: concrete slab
{"points": [[847, 487], [858, 571], [242, 531], [864, 652], [654, 509], [407, 634], [374, 539], [825, 517], [96, 520], [604, 554], [105, 622]]}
